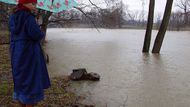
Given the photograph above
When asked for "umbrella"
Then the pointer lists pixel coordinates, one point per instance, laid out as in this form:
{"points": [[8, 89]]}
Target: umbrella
{"points": [[50, 5]]}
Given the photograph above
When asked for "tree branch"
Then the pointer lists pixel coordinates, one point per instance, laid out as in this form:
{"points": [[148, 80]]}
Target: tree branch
{"points": [[94, 4], [87, 17]]}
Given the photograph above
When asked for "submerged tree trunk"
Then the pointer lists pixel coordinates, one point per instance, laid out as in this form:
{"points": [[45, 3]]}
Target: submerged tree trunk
{"points": [[160, 36], [148, 34], [43, 20]]}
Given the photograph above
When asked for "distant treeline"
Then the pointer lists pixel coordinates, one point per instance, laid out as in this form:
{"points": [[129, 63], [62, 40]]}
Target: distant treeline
{"points": [[114, 16]]}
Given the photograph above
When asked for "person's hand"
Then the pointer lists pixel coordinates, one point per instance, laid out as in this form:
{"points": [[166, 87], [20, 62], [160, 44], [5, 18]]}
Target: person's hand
{"points": [[35, 12]]}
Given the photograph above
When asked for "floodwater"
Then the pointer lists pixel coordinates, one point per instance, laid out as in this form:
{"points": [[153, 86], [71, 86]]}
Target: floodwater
{"points": [[129, 78]]}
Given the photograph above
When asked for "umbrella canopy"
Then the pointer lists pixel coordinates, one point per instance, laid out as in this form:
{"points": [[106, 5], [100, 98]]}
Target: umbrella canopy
{"points": [[50, 5]]}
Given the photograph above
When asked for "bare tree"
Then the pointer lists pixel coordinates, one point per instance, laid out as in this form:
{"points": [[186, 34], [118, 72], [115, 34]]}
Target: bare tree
{"points": [[161, 33], [143, 12], [114, 13], [148, 34], [45, 16], [185, 6], [176, 20], [133, 17]]}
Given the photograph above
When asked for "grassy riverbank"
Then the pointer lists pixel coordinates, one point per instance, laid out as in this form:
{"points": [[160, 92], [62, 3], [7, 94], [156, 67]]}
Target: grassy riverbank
{"points": [[56, 96]]}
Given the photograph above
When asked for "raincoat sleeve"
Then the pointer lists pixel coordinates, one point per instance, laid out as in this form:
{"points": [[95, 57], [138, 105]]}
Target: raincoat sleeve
{"points": [[34, 31]]}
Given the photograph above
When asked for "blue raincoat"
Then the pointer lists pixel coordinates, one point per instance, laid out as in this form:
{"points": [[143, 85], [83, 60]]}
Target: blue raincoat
{"points": [[29, 70]]}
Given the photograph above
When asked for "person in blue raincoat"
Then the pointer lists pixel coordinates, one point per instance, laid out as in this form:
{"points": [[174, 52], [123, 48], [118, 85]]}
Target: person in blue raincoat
{"points": [[29, 69]]}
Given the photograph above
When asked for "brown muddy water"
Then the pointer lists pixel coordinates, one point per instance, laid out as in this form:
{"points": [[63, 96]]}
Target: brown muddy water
{"points": [[129, 78]]}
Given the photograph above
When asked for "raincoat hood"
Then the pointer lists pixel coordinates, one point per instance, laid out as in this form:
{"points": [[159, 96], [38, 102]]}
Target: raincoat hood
{"points": [[19, 18]]}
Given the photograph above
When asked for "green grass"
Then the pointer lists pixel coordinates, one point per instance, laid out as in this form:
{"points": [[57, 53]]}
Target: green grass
{"points": [[56, 96], [6, 88], [4, 32]]}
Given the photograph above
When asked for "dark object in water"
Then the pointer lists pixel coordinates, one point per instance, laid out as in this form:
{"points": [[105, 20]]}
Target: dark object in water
{"points": [[81, 74], [78, 74], [83, 106], [93, 76]]}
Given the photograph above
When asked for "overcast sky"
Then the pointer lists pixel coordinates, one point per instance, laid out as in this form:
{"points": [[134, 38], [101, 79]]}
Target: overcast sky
{"points": [[137, 4], [159, 5]]}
